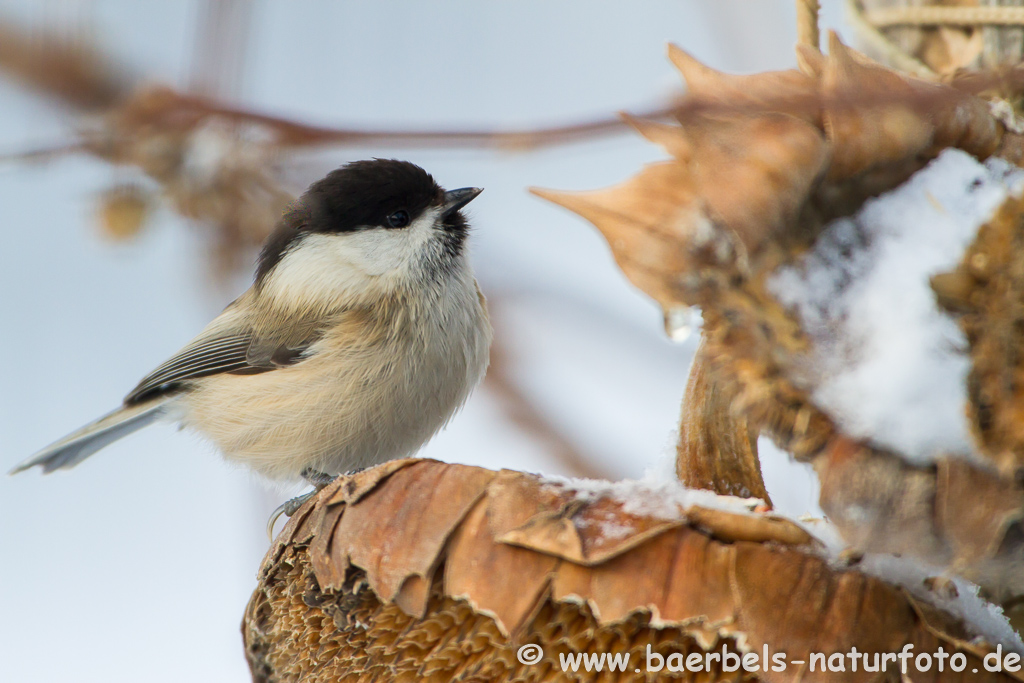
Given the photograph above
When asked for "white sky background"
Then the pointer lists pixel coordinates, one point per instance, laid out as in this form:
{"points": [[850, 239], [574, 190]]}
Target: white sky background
{"points": [[137, 565]]}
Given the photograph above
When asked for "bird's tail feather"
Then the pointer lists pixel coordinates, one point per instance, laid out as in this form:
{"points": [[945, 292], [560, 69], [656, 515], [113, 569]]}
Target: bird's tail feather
{"points": [[80, 444]]}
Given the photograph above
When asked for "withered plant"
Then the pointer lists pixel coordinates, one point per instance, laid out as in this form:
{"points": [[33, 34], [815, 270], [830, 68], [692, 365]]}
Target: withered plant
{"points": [[419, 570]]}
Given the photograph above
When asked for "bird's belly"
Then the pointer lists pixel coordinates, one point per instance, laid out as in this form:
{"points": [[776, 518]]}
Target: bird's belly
{"points": [[335, 414]]}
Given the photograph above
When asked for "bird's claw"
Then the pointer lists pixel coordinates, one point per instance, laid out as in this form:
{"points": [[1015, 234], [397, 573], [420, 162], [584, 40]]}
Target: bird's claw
{"points": [[288, 508], [319, 480]]}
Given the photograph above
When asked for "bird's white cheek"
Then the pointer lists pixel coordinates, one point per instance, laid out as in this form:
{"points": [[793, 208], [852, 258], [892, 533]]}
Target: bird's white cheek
{"points": [[383, 251], [362, 263], [322, 266]]}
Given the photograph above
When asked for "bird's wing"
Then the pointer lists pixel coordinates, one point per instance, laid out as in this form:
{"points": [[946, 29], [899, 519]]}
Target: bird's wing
{"points": [[236, 348]]}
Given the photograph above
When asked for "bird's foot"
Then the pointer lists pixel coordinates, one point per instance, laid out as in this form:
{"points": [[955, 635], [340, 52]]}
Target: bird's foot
{"points": [[319, 481], [317, 478]]}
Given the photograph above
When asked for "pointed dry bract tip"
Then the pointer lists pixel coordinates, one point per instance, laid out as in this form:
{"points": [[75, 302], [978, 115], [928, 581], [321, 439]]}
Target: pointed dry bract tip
{"points": [[698, 76], [543, 193], [650, 221], [844, 56], [574, 201], [810, 60], [597, 206], [837, 50], [672, 138], [591, 205], [842, 72]]}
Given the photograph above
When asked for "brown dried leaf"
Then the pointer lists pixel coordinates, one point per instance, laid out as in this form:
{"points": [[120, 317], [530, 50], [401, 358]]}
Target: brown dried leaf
{"points": [[876, 116], [678, 590], [953, 515], [755, 93], [330, 570], [868, 136], [478, 569], [841, 609], [771, 160], [514, 499], [581, 533], [975, 509], [399, 533], [648, 222], [673, 215], [351, 488]]}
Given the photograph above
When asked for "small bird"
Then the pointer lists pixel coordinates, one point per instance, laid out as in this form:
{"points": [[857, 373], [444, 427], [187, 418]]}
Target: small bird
{"points": [[363, 333]]}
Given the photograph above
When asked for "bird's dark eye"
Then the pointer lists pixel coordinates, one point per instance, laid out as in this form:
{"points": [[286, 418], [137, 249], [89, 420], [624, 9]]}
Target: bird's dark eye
{"points": [[399, 219]]}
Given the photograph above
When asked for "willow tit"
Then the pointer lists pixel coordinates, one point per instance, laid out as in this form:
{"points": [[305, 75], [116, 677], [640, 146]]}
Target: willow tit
{"points": [[363, 333]]}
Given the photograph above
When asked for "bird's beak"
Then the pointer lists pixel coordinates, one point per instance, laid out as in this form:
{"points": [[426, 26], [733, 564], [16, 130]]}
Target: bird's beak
{"points": [[456, 199]]}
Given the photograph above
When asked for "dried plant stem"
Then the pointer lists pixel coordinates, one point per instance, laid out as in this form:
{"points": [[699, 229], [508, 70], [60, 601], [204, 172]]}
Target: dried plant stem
{"points": [[807, 32], [916, 15], [176, 109], [941, 38], [717, 450]]}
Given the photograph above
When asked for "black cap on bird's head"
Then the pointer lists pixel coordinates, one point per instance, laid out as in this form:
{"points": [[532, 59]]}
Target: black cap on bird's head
{"points": [[367, 195]]}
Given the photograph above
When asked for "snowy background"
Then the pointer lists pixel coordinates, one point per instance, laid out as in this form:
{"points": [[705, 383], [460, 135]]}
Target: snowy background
{"points": [[138, 564]]}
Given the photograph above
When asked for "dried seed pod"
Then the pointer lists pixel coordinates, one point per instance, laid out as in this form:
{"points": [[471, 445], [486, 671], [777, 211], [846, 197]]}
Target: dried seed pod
{"points": [[764, 212], [123, 211], [570, 567], [987, 291]]}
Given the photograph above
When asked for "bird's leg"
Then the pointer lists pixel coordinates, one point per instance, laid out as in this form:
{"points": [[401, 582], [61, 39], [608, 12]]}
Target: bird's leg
{"points": [[319, 480]]}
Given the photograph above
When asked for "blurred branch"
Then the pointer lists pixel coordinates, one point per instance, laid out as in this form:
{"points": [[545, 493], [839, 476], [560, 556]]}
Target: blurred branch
{"points": [[164, 107], [216, 163], [42, 154], [67, 68], [81, 77], [293, 133]]}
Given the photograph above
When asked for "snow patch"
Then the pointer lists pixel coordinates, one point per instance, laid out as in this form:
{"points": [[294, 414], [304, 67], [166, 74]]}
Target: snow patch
{"points": [[660, 499], [982, 618], [888, 364]]}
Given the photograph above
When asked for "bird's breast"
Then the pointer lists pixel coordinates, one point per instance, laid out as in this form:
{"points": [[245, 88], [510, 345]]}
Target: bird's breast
{"points": [[375, 386]]}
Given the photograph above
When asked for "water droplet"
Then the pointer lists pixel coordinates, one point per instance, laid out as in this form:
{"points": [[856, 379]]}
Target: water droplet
{"points": [[681, 322]]}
